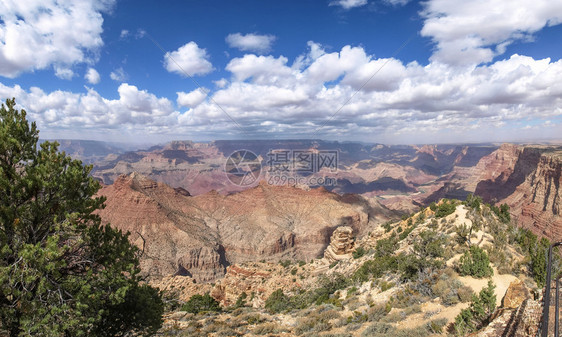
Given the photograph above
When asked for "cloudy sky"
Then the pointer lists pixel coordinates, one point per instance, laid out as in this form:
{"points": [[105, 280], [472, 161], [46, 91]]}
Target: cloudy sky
{"points": [[391, 71]]}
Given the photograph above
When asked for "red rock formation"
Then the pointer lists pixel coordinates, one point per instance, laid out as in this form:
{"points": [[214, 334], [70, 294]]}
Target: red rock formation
{"points": [[200, 236], [527, 179], [535, 203]]}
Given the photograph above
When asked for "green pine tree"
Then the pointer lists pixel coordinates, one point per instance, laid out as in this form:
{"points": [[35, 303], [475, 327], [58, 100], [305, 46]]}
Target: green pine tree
{"points": [[62, 272]]}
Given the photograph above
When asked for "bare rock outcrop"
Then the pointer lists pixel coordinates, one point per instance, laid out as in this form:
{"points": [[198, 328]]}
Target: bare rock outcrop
{"points": [[515, 295], [200, 236], [341, 245]]}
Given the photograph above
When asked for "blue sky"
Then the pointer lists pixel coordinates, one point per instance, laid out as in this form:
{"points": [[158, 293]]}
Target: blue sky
{"points": [[391, 71]]}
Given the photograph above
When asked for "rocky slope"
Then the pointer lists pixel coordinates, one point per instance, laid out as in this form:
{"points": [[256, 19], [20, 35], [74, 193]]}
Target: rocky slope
{"points": [[388, 304], [527, 178], [201, 236]]}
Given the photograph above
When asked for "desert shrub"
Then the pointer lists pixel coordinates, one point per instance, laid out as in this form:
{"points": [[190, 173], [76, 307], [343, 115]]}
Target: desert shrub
{"points": [[426, 279], [414, 332], [445, 208], [377, 312], [301, 263], [393, 317], [448, 252], [436, 326], [447, 289], [386, 246], [386, 285], [433, 224], [413, 309], [502, 212], [351, 291], [309, 324], [285, 263], [473, 201], [463, 233], [328, 315], [429, 244], [359, 252], [406, 265], [536, 250], [294, 271], [267, 328], [227, 332], [353, 326], [407, 297], [212, 325], [277, 302], [352, 303], [478, 313], [241, 300], [201, 303], [475, 263], [465, 293], [357, 317], [406, 232], [387, 226], [379, 330]]}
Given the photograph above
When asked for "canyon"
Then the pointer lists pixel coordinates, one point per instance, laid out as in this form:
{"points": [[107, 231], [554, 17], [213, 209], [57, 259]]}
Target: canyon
{"points": [[200, 236], [189, 219]]}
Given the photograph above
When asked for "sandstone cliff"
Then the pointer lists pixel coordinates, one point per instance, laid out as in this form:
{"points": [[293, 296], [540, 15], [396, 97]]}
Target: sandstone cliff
{"points": [[200, 236], [528, 179]]}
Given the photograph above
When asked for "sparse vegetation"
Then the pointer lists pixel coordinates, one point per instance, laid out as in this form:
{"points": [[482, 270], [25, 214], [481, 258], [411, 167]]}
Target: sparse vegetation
{"points": [[430, 244], [536, 250], [201, 303], [502, 212], [463, 233], [477, 314], [359, 252], [445, 208], [476, 263], [473, 201], [415, 275]]}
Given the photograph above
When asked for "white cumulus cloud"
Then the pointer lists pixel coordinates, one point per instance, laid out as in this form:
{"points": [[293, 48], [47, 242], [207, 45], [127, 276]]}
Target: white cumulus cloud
{"points": [[36, 35], [189, 59], [193, 98], [472, 32], [251, 42], [92, 76], [118, 75], [348, 4]]}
